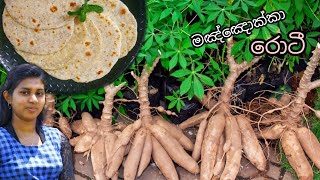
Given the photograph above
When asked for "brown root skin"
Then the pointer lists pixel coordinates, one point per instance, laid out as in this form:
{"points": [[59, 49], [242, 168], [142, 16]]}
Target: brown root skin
{"points": [[194, 120], [49, 110], [77, 127], [146, 154], [174, 149], [310, 144], [233, 156], [98, 159], [210, 144], [109, 141], [88, 123], [207, 101], [134, 156], [305, 86], [296, 156], [274, 132], [84, 143], [115, 163], [175, 132], [199, 140], [126, 135], [221, 159], [228, 133], [75, 140], [250, 143], [163, 160], [65, 127], [285, 99]]}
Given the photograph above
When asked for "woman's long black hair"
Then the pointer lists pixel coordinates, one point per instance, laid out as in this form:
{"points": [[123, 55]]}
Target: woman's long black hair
{"points": [[14, 77]]}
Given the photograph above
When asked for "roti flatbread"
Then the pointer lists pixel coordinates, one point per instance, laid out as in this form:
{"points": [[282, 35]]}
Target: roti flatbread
{"points": [[88, 50], [36, 41], [83, 46], [124, 19], [98, 67], [42, 14]]}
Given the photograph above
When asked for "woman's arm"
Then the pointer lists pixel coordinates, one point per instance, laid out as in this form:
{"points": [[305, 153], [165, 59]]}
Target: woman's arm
{"points": [[67, 160]]}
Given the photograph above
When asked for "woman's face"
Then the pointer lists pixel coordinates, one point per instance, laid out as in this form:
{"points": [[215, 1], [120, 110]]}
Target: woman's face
{"points": [[28, 99]]}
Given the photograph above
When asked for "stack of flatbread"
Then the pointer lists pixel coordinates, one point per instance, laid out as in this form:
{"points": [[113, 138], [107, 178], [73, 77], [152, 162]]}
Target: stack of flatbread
{"points": [[44, 34]]}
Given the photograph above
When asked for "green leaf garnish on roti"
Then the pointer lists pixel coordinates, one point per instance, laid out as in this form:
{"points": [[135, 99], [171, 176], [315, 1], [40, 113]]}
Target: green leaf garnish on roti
{"points": [[81, 13]]}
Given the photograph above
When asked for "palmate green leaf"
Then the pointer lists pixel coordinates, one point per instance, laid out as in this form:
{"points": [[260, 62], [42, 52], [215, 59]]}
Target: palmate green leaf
{"points": [[250, 3], [101, 91], [265, 33], [165, 63], [244, 7], [83, 104], [237, 46], [260, 2], [95, 103], [65, 105], [235, 5], [178, 106], [176, 15], [72, 104], [122, 110], [313, 34], [312, 41], [170, 98], [172, 41], [213, 16], [212, 46], [254, 34], [61, 97], [247, 54], [189, 52], [198, 88], [168, 54], [190, 94], [199, 67], [172, 104], [212, 7], [214, 64], [231, 17], [165, 13], [273, 28], [173, 62], [221, 19], [207, 30], [299, 4], [283, 28], [182, 61], [200, 51], [147, 45], [269, 8], [205, 79], [316, 24], [185, 85], [98, 98], [120, 94], [181, 73], [299, 18], [89, 105], [310, 12]]}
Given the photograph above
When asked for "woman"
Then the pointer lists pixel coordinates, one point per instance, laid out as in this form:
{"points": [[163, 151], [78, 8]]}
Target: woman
{"points": [[29, 150]]}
